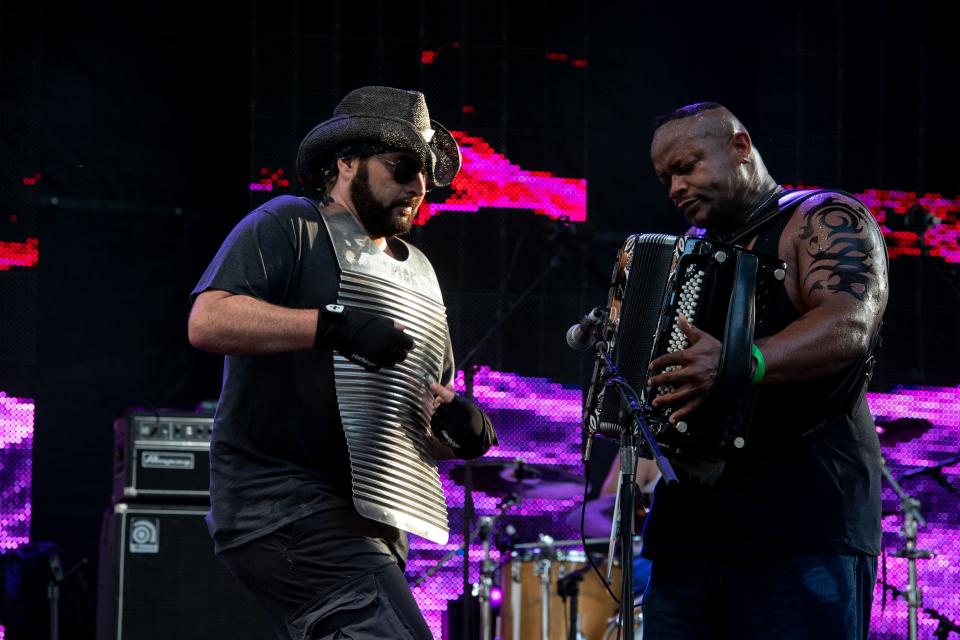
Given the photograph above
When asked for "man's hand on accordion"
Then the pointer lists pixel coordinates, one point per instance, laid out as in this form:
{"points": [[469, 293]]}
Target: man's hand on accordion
{"points": [[694, 375]]}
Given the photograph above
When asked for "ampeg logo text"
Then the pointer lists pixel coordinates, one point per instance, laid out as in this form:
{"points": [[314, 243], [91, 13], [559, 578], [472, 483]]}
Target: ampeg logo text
{"points": [[166, 460], [144, 535]]}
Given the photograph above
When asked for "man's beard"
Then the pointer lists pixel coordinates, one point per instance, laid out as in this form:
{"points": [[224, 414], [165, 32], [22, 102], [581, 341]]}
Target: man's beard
{"points": [[379, 221]]}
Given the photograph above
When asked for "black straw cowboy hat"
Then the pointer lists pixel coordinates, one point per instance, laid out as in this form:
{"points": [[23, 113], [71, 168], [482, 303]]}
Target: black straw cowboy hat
{"points": [[395, 118]]}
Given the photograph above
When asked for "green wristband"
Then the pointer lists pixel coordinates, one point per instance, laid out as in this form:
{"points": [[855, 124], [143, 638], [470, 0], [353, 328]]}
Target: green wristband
{"points": [[761, 366]]}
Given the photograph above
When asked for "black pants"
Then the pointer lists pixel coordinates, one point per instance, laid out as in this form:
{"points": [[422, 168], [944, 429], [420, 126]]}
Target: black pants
{"points": [[320, 578]]}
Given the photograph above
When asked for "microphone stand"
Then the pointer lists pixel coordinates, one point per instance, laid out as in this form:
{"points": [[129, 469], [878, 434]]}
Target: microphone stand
{"points": [[911, 521], [57, 578], [635, 428]]}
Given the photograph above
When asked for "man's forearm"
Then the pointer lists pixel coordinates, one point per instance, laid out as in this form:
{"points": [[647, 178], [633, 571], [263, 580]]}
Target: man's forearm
{"points": [[816, 344], [240, 325]]}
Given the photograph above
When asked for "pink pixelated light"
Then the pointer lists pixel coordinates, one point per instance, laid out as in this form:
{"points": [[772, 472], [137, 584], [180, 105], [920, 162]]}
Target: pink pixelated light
{"points": [[488, 179], [943, 240], [19, 254]]}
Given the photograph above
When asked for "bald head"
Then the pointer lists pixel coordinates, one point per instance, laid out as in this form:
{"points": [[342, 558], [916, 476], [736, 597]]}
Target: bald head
{"points": [[704, 120], [704, 156]]}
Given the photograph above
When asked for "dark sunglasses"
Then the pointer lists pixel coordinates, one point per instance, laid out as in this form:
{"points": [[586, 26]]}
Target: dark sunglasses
{"points": [[405, 170]]}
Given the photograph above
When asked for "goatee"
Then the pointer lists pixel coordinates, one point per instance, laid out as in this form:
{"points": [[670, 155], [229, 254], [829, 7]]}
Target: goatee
{"points": [[379, 221]]}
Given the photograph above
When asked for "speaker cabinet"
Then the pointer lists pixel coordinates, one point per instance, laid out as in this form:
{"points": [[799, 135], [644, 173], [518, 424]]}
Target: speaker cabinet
{"points": [[159, 580]]}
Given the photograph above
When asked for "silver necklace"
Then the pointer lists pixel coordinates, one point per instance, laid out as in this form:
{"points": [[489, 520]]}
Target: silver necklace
{"points": [[760, 207]]}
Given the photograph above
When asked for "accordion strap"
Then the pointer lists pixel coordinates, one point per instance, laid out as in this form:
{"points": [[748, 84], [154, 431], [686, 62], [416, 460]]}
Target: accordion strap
{"points": [[788, 202], [735, 355]]}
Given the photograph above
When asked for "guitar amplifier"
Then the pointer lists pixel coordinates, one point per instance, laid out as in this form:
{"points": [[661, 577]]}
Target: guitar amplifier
{"points": [[162, 457]]}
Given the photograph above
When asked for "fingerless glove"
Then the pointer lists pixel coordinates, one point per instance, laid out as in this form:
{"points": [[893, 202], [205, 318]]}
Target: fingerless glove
{"points": [[464, 427], [368, 340]]}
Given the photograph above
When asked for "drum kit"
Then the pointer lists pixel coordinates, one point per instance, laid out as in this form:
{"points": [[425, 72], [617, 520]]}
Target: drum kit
{"points": [[547, 589]]}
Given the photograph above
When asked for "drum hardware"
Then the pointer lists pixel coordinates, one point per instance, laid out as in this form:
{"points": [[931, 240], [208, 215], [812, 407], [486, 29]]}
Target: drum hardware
{"points": [[541, 569], [486, 524], [945, 626], [893, 432], [569, 587], [935, 472], [912, 519], [508, 477], [484, 530], [487, 568], [501, 477]]}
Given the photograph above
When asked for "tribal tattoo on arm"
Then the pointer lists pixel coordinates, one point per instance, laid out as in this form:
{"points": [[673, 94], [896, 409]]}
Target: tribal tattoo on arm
{"points": [[841, 239]]}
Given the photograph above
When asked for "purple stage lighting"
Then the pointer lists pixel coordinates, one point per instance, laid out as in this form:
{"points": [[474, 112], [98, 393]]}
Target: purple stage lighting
{"points": [[496, 598]]}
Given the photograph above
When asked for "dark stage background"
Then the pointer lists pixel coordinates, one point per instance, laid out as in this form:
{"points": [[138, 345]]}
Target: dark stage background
{"points": [[132, 138]]}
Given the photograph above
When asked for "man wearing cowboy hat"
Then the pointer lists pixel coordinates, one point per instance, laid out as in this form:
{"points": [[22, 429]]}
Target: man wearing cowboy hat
{"points": [[276, 301]]}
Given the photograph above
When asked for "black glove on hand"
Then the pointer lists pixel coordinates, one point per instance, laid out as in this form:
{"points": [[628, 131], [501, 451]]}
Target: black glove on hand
{"points": [[464, 427], [366, 339]]}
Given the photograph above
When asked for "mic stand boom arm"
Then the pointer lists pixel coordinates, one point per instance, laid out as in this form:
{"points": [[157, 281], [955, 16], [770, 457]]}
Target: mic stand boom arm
{"points": [[636, 426]]}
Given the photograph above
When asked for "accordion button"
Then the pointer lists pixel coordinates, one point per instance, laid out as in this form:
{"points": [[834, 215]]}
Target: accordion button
{"points": [[682, 426], [739, 442]]}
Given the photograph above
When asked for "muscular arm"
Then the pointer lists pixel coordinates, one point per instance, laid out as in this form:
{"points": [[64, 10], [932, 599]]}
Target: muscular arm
{"points": [[239, 325], [839, 285]]}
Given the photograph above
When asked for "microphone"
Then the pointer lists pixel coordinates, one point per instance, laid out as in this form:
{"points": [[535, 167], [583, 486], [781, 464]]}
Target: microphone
{"points": [[583, 335]]}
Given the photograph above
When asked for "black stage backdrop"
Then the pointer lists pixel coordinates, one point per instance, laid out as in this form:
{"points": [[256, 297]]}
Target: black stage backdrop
{"points": [[148, 122]]}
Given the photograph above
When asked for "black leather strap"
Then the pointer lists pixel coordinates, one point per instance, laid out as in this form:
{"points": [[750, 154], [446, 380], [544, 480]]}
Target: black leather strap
{"points": [[789, 201], [734, 367]]}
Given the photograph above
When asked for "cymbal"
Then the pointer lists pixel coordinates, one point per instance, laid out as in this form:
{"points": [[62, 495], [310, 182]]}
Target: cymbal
{"points": [[598, 516], [893, 432], [503, 477]]}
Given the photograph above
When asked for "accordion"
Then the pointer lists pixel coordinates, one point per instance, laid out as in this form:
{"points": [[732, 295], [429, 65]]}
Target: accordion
{"points": [[723, 290]]}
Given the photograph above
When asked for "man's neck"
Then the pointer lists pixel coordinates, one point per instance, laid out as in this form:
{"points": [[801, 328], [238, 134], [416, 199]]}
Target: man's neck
{"points": [[340, 202], [758, 198]]}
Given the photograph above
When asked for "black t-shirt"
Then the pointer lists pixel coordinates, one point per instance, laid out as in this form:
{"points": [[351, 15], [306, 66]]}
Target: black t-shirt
{"points": [[278, 451], [790, 492]]}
